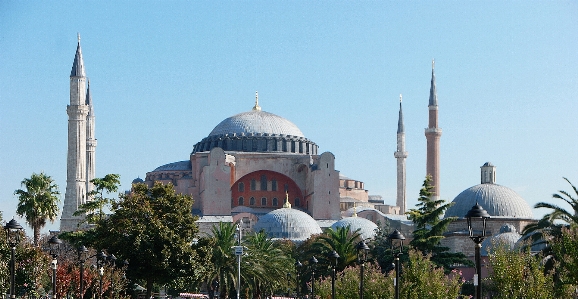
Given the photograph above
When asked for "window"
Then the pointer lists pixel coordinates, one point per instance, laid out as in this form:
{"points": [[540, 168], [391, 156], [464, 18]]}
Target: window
{"points": [[241, 201], [263, 183], [253, 185], [297, 203], [274, 185], [241, 187], [252, 201], [264, 201], [275, 202]]}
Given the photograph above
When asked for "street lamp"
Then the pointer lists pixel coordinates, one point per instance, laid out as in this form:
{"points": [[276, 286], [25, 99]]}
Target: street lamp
{"points": [[100, 260], [334, 256], [288, 284], [111, 259], [82, 252], [396, 235], [361, 258], [480, 216], [12, 229], [238, 253], [54, 243], [298, 266], [313, 265]]}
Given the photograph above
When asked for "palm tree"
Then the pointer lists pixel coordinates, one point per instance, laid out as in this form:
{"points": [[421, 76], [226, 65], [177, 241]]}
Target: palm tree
{"points": [[343, 241], [223, 259], [38, 202], [559, 213]]}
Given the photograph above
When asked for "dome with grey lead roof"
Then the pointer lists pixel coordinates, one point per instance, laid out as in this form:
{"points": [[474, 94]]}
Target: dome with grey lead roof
{"points": [[507, 237], [497, 200], [367, 229], [287, 223], [256, 122]]}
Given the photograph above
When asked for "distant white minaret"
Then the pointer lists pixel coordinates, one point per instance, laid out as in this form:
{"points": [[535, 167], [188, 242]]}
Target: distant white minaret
{"points": [[400, 155], [76, 177], [90, 142]]}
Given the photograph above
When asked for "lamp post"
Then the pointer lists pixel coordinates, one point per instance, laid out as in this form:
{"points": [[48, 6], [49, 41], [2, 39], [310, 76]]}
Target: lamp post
{"points": [[288, 284], [12, 229], [361, 258], [396, 235], [54, 243], [479, 215], [313, 265], [238, 253], [333, 256], [82, 252], [298, 266], [111, 259], [100, 260]]}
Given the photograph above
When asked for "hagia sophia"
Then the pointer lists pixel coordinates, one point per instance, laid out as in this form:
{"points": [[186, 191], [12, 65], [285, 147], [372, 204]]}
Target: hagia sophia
{"points": [[257, 168]]}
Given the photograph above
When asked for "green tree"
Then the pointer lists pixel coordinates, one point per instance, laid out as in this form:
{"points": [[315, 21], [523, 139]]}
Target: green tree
{"points": [[558, 213], [422, 279], [430, 227], [519, 275], [376, 285], [93, 209], [565, 253], [153, 229], [265, 265], [38, 202]]}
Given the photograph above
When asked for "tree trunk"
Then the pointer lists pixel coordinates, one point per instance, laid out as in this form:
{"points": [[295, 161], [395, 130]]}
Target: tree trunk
{"points": [[149, 288]]}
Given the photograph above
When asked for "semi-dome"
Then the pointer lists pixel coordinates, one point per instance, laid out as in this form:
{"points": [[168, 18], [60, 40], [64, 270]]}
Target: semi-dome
{"points": [[507, 237], [497, 200], [367, 229], [257, 131], [287, 223]]}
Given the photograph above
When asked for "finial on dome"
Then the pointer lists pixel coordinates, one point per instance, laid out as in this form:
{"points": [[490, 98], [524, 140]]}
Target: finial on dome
{"points": [[287, 205], [257, 107], [354, 211]]}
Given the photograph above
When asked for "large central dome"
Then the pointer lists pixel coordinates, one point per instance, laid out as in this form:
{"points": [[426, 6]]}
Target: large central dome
{"points": [[257, 131], [256, 122]]}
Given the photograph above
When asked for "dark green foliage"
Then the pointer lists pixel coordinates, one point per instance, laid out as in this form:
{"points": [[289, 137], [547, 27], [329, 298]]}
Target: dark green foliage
{"points": [[430, 226], [153, 229], [38, 202], [93, 208]]}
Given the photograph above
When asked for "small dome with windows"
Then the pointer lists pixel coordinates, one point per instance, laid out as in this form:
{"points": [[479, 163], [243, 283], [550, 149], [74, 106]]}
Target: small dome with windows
{"points": [[366, 228], [288, 223]]}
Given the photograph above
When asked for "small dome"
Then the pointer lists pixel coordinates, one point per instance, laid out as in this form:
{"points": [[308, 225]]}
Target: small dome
{"points": [[175, 166], [497, 200], [287, 223], [137, 180], [256, 122], [508, 237], [366, 227]]}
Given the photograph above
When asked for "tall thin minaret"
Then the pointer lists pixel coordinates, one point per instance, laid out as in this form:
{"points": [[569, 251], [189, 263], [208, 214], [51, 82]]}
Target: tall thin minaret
{"points": [[433, 134], [90, 142], [76, 160], [400, 155]]}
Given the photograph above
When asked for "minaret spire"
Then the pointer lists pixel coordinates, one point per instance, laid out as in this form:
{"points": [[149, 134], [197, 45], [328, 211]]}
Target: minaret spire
{"points": [[433, 134], [76, 177], [257, 107], [401, 155]]}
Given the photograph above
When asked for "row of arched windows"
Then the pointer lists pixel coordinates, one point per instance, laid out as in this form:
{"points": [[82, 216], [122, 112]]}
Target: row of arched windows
{"points": [[264, 201], [263, 185]]}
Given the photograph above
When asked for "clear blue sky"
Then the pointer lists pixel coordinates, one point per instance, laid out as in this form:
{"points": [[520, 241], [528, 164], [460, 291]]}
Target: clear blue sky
{"points": [[164, 73]]}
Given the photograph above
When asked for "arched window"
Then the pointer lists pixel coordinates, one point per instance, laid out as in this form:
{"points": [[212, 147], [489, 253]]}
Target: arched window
{"points": [[274, 185], [297, 202], [241, 187], [253, 185], [275, 202], [263, 183], [252, 201], [241, 201], [264, 201]]}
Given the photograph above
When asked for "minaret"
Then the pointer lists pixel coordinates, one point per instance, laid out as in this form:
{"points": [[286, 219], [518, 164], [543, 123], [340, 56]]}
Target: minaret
{"points": [[433, 134], [90, 142], [400, 155], [76, 160]]}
